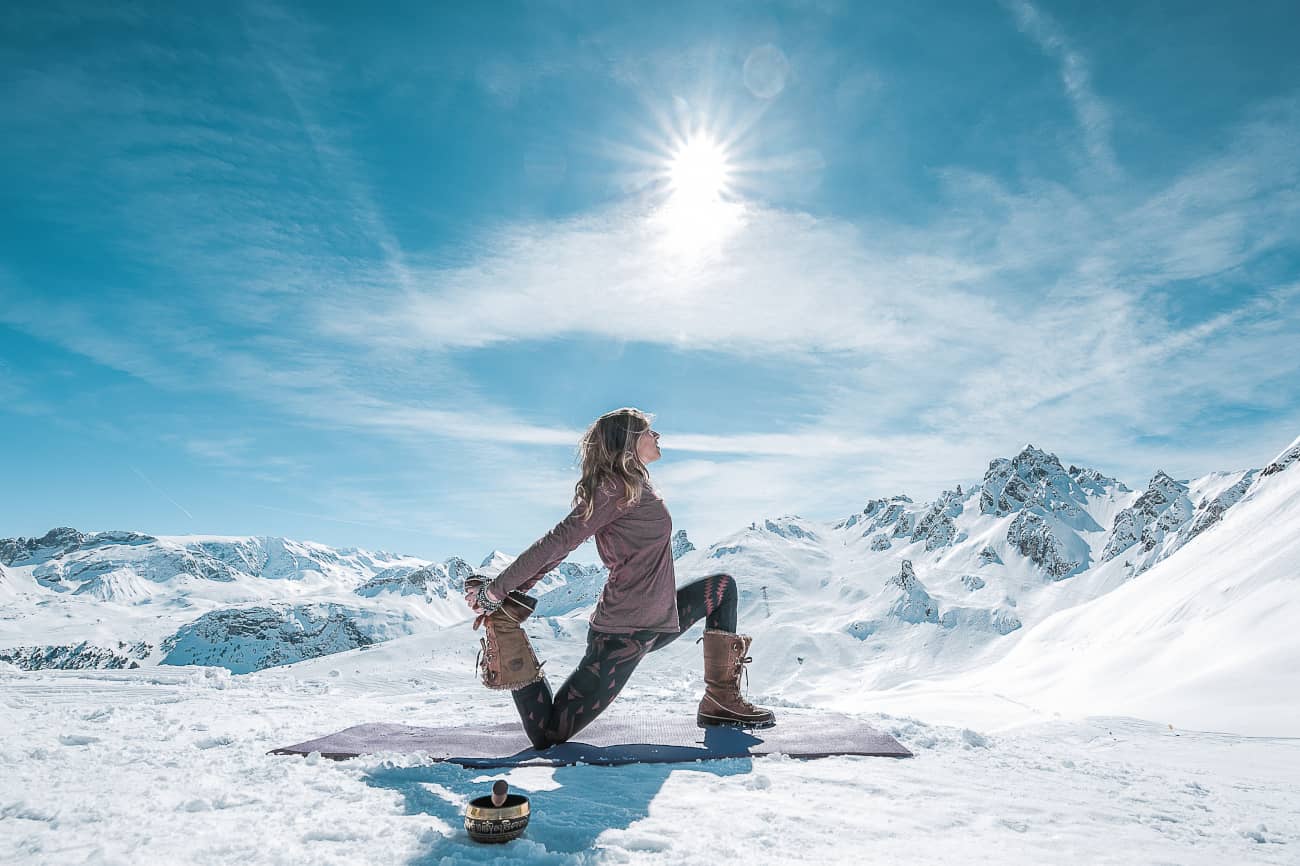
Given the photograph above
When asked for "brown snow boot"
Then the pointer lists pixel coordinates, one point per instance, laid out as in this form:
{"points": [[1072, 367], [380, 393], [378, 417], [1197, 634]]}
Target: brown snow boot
{"points": [[725, 657], [506, 659]]}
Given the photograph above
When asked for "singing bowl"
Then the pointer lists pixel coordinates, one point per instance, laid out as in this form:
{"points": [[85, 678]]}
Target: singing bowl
{"points": [[487, 823]]}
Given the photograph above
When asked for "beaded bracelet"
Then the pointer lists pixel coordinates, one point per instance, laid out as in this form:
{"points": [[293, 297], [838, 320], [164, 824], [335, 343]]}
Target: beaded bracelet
{"points": [[487, 605]]}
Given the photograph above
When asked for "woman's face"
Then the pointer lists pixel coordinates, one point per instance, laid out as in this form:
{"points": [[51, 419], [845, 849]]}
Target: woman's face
{"points": [[647, 447]]}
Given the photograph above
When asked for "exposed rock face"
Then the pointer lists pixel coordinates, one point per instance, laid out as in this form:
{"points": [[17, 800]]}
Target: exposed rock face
{"points": [[1163, 508], [887, 509], [400, 580], [936, 527], [91, 563], [62, 541], [224, 560], [1009, 485], [250, 639], [786, 527], [905, 525], [717, 552], [972, 582], [79, 656], [1035, 478], [681, 544], [914, 604], [1163, 519], [1095, 483], [582, 586], [1032, 536], [880, 514], [56, 542], [1210, 512], [989, 556], [880, 541], [1284, 461]]}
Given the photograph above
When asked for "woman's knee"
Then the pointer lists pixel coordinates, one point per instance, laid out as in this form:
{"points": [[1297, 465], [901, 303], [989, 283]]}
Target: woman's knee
{"points": [[721, 587]]}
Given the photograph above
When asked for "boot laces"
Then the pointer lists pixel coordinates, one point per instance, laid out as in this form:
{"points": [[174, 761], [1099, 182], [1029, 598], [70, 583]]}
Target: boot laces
{"points": [[487, 651], [743, 673]]}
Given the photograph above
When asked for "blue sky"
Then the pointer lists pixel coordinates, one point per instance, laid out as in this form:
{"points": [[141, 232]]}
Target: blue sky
{"points": [[363, 277]]}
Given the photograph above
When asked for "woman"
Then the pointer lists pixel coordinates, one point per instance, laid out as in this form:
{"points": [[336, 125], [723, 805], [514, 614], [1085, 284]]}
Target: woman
{"points": [[640, 609]]}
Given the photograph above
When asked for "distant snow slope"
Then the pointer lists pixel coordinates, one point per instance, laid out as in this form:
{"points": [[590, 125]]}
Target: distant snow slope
{"points": [[1044, 581], [1208, 637]]}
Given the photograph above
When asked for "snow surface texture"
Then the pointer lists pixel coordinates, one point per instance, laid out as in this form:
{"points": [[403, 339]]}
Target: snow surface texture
{"points": [[1051, 672], [168, 765]]}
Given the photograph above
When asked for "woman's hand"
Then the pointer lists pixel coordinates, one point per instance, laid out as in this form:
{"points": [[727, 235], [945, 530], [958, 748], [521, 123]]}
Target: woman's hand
{"points": [[471, 598]]}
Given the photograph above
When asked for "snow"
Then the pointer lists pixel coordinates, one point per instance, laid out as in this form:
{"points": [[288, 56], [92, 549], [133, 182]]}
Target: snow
{"points": [[169, 765], [1217, 619], [1135, 716]]}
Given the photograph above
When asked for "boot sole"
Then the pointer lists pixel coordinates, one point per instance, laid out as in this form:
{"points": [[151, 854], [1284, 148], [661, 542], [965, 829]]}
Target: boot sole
{"points": [[704, 721]]}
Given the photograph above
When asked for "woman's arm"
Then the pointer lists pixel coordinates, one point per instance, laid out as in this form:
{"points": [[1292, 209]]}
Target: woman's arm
{"points": [[551, 549]]}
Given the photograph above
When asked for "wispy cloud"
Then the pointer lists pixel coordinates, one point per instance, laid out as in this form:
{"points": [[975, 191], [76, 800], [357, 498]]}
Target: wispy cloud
{"points": [[1093, 113], [1026, 311], [989, 326], [156, 489]]}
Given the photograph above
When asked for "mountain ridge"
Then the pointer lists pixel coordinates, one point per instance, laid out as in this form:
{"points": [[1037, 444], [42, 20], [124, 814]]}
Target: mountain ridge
{"points": [[918, 588]]}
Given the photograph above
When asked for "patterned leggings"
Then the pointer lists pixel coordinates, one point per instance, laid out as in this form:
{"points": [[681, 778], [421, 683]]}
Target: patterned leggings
{"points": [[610, 660]]}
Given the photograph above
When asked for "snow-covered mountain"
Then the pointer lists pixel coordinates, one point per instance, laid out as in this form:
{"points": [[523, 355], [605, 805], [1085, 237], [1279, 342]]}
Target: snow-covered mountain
{"points": [[1206, 636], [893, 593], [125, 599]]}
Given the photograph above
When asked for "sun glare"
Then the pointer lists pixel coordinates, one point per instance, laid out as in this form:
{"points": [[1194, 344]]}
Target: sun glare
{"points": [[700, 211], [698, 170]]}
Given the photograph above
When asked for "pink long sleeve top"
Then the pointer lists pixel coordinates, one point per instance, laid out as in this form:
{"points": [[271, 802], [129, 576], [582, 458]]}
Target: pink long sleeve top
{"points": [[635, 543]]}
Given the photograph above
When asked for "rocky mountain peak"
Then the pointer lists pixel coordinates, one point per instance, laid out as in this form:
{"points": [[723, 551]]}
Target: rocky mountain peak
{"points": [[1094, 482], [877, 513], [878, 506], [1032, 477], [1030, 456], [1162, 481], [495, 557], [1162, 508], [56, 542], [913, 602]]}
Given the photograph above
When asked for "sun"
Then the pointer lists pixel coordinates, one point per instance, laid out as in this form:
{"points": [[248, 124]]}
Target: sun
{"points": [[698, 171]]}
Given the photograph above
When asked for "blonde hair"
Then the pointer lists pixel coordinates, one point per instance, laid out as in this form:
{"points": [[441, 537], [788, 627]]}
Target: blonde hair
{"points": [[608, 454]]}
